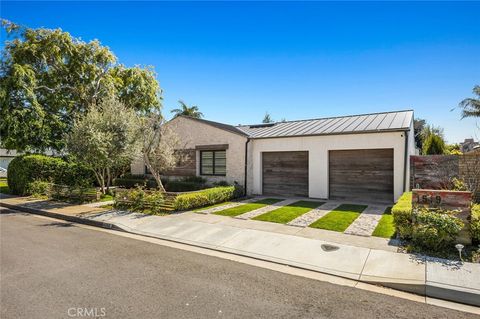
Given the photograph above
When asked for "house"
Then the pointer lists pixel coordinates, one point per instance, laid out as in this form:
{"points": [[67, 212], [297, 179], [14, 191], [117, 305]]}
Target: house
{"points": [[355, 157], [468, 145]]}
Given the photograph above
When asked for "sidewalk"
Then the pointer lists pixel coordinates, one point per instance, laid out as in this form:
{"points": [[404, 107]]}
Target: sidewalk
{"points": [[436, 278]]}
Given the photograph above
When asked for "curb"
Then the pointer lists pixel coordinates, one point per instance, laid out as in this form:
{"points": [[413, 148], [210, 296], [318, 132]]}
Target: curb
{"points": [[427, 289]]}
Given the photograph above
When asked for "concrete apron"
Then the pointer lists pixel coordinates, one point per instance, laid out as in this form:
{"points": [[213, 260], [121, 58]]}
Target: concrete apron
{"points": [[431, 277]]}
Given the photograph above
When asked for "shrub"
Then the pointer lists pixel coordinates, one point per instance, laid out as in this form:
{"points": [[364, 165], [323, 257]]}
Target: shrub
{"points": [[140, 200], [205, 197], [39, 188], [475, 223], [26, 169], [77, 194], [131, 181], [183, 186], [435, 229], [402, 215]]}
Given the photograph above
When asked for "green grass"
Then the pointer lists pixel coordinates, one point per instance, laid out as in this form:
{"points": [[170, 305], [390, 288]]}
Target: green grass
{"points": [[106, 198], [238, 210], [211, 206], [385, 227], [340, 218], [4, 186], [288, 213]]}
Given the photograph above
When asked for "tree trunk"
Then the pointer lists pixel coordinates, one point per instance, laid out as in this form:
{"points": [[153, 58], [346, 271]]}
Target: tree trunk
{"points": [[156, 175], [109, 179]]}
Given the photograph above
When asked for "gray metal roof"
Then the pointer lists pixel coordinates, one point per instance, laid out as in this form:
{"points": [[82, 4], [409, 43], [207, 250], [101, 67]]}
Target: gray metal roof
{"points": [[363, 123]]}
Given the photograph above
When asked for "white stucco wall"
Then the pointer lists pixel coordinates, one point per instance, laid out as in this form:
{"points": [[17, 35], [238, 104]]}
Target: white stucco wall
{"points": [[318, 147], [192, 133]]}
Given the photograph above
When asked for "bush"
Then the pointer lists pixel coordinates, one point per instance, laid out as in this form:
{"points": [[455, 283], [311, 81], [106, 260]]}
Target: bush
{"points": [[205, 197], [475, 223], [402, 215], [131, 181], [140, 200], [39, 188], [435, 229], [186, 184], [26, 169]]}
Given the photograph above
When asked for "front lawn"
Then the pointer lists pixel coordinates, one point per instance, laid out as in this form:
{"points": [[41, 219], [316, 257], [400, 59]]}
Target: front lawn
{"points": [[239, 210], [211, 206], [4, 186], [385, 227], [288, 213], [340, 218]]}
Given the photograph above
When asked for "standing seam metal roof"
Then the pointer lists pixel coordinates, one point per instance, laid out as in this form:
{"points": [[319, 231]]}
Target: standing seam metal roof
{"points": [[362, 123]]}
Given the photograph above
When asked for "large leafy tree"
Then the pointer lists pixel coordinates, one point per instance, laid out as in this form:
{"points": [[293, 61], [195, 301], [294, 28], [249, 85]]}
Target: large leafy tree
{"points": [[471, 106], [192, 111], [433, 142], [48, 77], [106, 139]]}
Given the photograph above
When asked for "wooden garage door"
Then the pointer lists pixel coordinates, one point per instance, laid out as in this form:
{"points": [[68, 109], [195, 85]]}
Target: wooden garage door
{"points": [[285, 173], [361, 174]]}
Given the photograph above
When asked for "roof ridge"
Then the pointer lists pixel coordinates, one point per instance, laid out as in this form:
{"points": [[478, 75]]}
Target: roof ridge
{"points": [[330, 117]]}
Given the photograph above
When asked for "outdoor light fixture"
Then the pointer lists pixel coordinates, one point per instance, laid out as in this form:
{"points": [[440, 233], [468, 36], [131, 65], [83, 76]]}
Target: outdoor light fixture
{"points": [[459, 248]]}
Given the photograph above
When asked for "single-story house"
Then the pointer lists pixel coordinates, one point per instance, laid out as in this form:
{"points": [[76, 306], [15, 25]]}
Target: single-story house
{"points": [[355, 157]]}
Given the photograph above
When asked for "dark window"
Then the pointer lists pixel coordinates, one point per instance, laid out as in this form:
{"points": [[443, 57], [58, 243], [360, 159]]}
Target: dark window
{"points": [[213, 163]]}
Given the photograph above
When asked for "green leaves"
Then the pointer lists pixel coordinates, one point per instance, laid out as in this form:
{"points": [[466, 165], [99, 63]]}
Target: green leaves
{"points": [[48, 78]]}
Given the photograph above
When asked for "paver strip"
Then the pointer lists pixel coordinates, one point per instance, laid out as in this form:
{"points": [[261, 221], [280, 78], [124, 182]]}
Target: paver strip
{"points": [[227, 206], [266, 209], [317, 213], [365, 224]]}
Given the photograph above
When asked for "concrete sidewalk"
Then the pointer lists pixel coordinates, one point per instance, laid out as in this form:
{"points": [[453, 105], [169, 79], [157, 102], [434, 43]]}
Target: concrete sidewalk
{"points": [[459, 282]]}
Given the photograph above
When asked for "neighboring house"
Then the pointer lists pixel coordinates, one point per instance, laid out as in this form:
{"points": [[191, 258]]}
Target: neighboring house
{"points": [[357, 157], [6, 156], [468, 145]]}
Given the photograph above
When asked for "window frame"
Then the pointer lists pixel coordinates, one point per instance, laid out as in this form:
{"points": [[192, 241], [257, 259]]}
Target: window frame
{"points": [[213, 163]]}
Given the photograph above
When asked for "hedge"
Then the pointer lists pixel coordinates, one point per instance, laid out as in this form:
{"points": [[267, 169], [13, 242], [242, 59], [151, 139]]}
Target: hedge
{"points": [[402, 215], [205, 197], [131, 181], [26, 169], [475, 223]]}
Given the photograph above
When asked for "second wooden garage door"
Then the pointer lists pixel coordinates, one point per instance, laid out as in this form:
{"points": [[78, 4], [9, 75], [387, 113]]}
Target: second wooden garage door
{"points": [[365, 175], [285, 173]]}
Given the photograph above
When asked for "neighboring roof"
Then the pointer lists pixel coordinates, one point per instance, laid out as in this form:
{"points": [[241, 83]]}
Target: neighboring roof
{"points": [[363, 123], [222, 126]]}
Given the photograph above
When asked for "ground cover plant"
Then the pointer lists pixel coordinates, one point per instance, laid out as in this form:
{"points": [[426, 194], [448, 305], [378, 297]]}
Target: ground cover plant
{"points": [[385, 227], [340, 218], [244, 208], [288, 213]]}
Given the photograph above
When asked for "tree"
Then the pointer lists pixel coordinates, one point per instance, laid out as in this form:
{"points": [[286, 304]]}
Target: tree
{"points": [[105, 139], [48, 78], [158, 146], [267, 118], [471, 106], [433, 142], [418, 126], [192, 111]]}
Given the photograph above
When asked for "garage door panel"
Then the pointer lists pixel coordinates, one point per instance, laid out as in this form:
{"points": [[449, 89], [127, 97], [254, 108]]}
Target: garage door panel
{"points": [[285, 173], [361, 174]]}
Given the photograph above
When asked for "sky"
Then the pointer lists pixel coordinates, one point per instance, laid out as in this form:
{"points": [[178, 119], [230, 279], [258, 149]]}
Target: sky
{"points": [[294, 60]]}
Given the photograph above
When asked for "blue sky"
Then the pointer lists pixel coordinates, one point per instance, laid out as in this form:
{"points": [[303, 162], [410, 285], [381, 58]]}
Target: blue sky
{"points": [[295, 60]]}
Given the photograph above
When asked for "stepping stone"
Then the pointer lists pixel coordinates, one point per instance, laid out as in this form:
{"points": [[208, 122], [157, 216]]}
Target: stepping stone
{"points": [[365, 224], [266, 209], [222, 207], [313, 215]]}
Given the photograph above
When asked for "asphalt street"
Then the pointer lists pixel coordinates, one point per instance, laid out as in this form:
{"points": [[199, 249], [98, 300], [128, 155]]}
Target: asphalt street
{"points": [[53, 269]]}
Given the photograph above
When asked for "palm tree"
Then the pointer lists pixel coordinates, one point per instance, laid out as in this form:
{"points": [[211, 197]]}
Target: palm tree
{"points": [[186, 110], [471, 106]]}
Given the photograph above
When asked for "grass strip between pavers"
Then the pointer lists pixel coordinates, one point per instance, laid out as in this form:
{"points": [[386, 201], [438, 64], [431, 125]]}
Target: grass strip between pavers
{"points": [[288, 213], [242, 209], [211, 206], [385, 227], [340, 218]]}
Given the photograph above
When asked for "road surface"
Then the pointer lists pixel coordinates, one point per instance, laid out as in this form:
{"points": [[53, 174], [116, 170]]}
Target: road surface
{"points": [[53, 269]]}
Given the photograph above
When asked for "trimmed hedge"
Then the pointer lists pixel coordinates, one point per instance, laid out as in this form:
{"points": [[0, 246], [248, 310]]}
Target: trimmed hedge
{"points": [[26, 169], [402, 215], [132, 181], [205, 197], [475, 223]]}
